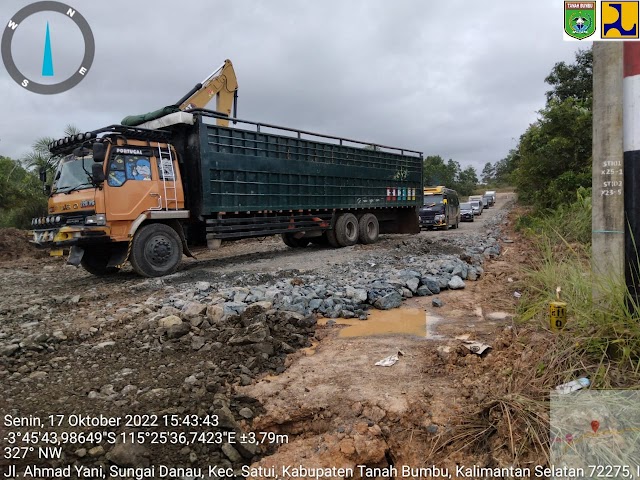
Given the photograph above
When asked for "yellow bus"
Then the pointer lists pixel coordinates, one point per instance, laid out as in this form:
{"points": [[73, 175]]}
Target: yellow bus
{"points": [[441, 208]]}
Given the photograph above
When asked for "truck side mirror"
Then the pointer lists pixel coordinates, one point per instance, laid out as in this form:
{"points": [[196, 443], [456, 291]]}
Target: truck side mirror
{"points": [[97, 173], [99, 152], [43, 174]]}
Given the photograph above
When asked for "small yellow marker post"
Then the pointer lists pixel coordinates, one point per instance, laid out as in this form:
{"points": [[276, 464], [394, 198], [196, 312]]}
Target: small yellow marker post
{"points": [[557, 313]]}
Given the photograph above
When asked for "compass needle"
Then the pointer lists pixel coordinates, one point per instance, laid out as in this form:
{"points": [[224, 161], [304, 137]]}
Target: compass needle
{"points": [[47, 61]]}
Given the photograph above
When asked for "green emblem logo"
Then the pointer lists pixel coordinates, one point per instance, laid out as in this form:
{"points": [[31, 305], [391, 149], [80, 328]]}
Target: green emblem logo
{"points": [[580, 19]]}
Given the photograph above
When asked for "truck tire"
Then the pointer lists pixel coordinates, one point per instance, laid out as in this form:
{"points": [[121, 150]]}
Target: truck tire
{"points": [[156, 250], [95, 260], [368, 228], [293, 242], [346, 230]]}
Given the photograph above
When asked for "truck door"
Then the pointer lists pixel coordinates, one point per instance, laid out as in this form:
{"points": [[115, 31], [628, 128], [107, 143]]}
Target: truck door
{"points": [[132, 185]]}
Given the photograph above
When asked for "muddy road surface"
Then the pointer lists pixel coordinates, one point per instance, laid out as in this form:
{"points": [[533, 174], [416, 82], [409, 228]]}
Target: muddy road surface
{"points": [[255, 357]]}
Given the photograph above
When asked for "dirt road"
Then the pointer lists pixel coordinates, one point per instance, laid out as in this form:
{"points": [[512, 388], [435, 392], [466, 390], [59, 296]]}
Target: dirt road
{"points": [[234, 336]]}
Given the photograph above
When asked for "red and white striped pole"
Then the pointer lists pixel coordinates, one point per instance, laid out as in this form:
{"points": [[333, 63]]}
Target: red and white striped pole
{"points": [[631, 147]]}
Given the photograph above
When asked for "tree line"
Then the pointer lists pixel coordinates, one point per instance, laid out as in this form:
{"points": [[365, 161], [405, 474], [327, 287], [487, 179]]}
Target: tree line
{"points": [[552, 160]]}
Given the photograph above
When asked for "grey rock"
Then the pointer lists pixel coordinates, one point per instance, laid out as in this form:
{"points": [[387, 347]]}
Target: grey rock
{"points": [[129, 455], [389, 301], [177, 331], [231, 453], [412, 284], [443, 282], [197, 343], [203, 286], [472, 275], [423, 291], [234, 308], [431, 283], [316, 302], [193, 309], [456, 283], [256, 333], [245, 412], [10, 349], [436, 302]]}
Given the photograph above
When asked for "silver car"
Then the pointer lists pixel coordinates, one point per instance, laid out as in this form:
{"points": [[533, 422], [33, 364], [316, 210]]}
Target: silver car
{"points": [[476, 207]]}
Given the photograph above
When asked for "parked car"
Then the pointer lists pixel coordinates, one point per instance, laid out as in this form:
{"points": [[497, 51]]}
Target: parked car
{"points": [[488, 200], [476, 205], [466, 212], [492, 193]]}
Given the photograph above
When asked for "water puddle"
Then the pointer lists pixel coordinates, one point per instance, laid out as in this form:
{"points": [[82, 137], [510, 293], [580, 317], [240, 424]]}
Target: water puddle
{"points": [[407, 321]]}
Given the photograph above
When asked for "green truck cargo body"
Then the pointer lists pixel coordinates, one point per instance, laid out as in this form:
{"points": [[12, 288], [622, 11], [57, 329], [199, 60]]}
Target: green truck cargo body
{"points": [[237, 178]]}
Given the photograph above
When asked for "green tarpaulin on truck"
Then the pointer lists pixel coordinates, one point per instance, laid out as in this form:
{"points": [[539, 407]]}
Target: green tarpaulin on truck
{"points": [[133, 120]]}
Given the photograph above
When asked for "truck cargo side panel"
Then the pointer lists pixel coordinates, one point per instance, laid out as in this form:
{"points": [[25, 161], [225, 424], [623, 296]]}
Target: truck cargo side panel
{"points": [[250, 171]]}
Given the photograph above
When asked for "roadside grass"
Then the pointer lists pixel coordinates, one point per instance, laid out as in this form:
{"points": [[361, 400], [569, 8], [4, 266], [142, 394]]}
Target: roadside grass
{"points": [[601, 339]]}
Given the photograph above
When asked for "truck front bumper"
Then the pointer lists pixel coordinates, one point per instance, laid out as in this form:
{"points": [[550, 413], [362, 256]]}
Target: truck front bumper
{"points": [[69, 236]]}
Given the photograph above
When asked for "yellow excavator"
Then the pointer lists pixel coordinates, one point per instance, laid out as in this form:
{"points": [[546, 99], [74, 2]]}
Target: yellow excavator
{"points": [[222, 84]]}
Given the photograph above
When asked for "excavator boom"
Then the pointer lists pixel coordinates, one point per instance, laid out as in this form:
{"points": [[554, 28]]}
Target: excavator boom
{"points": [[222, 84]]}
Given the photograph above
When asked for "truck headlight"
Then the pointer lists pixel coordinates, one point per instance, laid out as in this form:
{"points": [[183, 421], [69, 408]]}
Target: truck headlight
{"points": [[100, 219], [439, 218], [58, 219]]}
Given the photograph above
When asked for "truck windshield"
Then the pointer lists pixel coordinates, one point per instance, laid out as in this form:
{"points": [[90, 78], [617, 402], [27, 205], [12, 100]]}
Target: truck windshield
{"points": [[73, 174], [432, 199]]}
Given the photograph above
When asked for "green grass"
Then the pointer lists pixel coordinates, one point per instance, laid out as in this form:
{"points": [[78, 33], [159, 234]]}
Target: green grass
{"points": [[602, 337]]}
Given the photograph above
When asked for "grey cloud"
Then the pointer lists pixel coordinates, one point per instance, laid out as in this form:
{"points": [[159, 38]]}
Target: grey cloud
{"points": [[460, 79]]}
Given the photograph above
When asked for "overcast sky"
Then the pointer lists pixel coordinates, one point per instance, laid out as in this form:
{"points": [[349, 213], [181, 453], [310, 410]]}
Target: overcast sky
{"points": [[462, 79]]}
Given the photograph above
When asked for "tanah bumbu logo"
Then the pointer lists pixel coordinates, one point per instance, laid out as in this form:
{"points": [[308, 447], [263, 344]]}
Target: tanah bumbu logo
{"points": [[580, 19], [619, 19]]}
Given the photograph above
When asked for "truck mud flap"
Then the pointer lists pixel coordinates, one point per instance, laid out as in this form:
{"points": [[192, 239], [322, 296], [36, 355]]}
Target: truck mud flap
{"points": [[119, 254], [75, 256]]}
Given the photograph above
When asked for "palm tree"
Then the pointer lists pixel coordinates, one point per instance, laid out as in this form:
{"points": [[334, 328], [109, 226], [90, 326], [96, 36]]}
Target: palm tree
{"points": [[39, 156]]}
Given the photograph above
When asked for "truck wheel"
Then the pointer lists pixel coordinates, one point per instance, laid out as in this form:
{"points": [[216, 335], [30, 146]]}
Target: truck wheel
{"points": [[346, 230], [293, 242], [368, 228], [95, 261], [156, 250]]}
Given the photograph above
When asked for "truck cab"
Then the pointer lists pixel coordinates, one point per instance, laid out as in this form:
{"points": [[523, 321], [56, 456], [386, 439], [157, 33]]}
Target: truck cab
{"points": [[109, 185]]}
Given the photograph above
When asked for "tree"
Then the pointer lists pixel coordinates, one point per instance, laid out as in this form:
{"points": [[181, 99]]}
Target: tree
{"points": [[467, 181], [572, 81], [553, 158], [39, 156], [488, 173], [21, 195], [437, 172]]}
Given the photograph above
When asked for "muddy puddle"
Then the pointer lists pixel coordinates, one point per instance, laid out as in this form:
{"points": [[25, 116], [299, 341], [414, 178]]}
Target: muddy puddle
{"points": [[399, 321]]}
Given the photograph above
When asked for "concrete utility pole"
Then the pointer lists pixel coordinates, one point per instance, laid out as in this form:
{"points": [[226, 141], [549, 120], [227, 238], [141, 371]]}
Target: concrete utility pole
{"points": [[631, 145], [608, 221]]}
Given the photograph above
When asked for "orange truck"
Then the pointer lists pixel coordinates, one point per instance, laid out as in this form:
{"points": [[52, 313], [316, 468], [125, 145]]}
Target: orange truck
{"points": [[145, 190]]}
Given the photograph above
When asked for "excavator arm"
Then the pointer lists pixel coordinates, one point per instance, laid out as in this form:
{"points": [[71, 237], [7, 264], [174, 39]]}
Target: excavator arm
{"points": [[222, 84]]}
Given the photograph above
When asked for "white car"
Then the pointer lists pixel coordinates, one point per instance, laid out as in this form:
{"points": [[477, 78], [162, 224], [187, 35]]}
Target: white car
{"points": [[492, 193]]}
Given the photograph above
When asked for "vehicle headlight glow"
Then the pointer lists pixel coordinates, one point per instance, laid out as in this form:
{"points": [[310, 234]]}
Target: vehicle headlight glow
{"points": [[58, 219], [99, 220]]}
